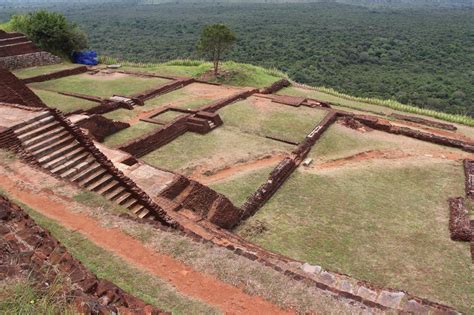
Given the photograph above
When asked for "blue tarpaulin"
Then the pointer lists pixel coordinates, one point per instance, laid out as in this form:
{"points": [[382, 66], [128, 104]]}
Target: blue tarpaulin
{"points": [[88, 57]]}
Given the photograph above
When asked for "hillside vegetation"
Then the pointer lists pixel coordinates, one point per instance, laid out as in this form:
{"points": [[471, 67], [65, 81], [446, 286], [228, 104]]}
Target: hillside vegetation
{"points": [[421, 57]]}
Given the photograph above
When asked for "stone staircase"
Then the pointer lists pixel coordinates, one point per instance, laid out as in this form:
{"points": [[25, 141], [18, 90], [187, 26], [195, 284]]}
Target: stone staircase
{"points": [[56, 150]]}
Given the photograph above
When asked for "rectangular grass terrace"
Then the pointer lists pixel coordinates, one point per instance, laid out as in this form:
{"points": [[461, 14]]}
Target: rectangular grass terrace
{"points": [[101, 84], [261, 116], [225, 146], [381, 217], [64, 103], [40, 70]]}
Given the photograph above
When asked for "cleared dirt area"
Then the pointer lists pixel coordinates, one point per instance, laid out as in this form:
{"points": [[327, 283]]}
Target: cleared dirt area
{"points": [[206, 288]]}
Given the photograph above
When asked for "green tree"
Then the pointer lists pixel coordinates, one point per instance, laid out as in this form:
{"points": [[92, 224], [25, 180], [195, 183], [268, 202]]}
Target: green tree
{"points": [[215, 40], [50, 31]]}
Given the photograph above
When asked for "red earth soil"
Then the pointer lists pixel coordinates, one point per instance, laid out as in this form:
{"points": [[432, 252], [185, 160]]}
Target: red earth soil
{"points": [[204, 287]]}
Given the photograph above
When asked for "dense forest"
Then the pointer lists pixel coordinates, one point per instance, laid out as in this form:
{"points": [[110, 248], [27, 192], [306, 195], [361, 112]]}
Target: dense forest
{"points": [[423, 56]]}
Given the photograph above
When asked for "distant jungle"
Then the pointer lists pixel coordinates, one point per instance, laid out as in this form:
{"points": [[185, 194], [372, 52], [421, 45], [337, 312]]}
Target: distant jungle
{"points": [[419, 56]]}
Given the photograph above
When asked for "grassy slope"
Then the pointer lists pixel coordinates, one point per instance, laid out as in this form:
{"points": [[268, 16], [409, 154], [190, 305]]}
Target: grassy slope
{"points": [[241, 74], [222, 146], [22, 296], [105, 265], [87, 84], [62, 102], [385, 222]]}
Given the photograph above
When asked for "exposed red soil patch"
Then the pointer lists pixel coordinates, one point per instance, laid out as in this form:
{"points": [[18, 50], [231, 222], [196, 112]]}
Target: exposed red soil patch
{"points": [[388, 155], [202, 175], [187, 281]]}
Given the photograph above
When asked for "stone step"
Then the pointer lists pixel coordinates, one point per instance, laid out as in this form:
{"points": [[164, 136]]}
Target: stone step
{"points": [[31, 121], [43, 135], [135, 209], [99, 182], [63, 158], [70, 164], [122, 198], [89, 174], [131, 202], [60, 152], [39, 131], [79, 168], [113, 193], [34, 125], [103, 189], [47, 141], [143, 213], [51, 147]]}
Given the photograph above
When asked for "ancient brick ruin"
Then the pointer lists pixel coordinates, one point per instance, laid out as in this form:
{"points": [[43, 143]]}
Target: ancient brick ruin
{"points": [[16, 52], [50, 141], [28, 250]]}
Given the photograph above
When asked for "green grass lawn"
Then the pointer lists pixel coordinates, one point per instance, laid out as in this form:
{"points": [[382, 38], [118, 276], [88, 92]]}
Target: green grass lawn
{"points": [[280, 121], [64, 103], [133, 132], [385, 223], [239, 187], [221, 147], [181, 98], [122, 114], [106, 265], [237, 74], [103, 87], [35, 71]]}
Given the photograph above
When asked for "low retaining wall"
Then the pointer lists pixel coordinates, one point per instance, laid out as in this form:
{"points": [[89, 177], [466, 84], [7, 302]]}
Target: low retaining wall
{"points": [[469, 178], [100, 127], [277, 177], [56, 75], [459, 225], [155, 139], [424, 121], [385, 125], [25, 47], [163, 89], [29, 250], [35, 59], [215, 106], [278, 85], [284, 169]]}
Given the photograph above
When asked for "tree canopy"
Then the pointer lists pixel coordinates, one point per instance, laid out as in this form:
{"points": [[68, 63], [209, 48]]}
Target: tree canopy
{"points": [[215, 40], [50, 31]]}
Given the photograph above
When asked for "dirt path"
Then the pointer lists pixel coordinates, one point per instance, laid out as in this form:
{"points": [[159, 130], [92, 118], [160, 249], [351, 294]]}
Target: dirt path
{"points": [[210, 290], [235, 169], [390, 154]]}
